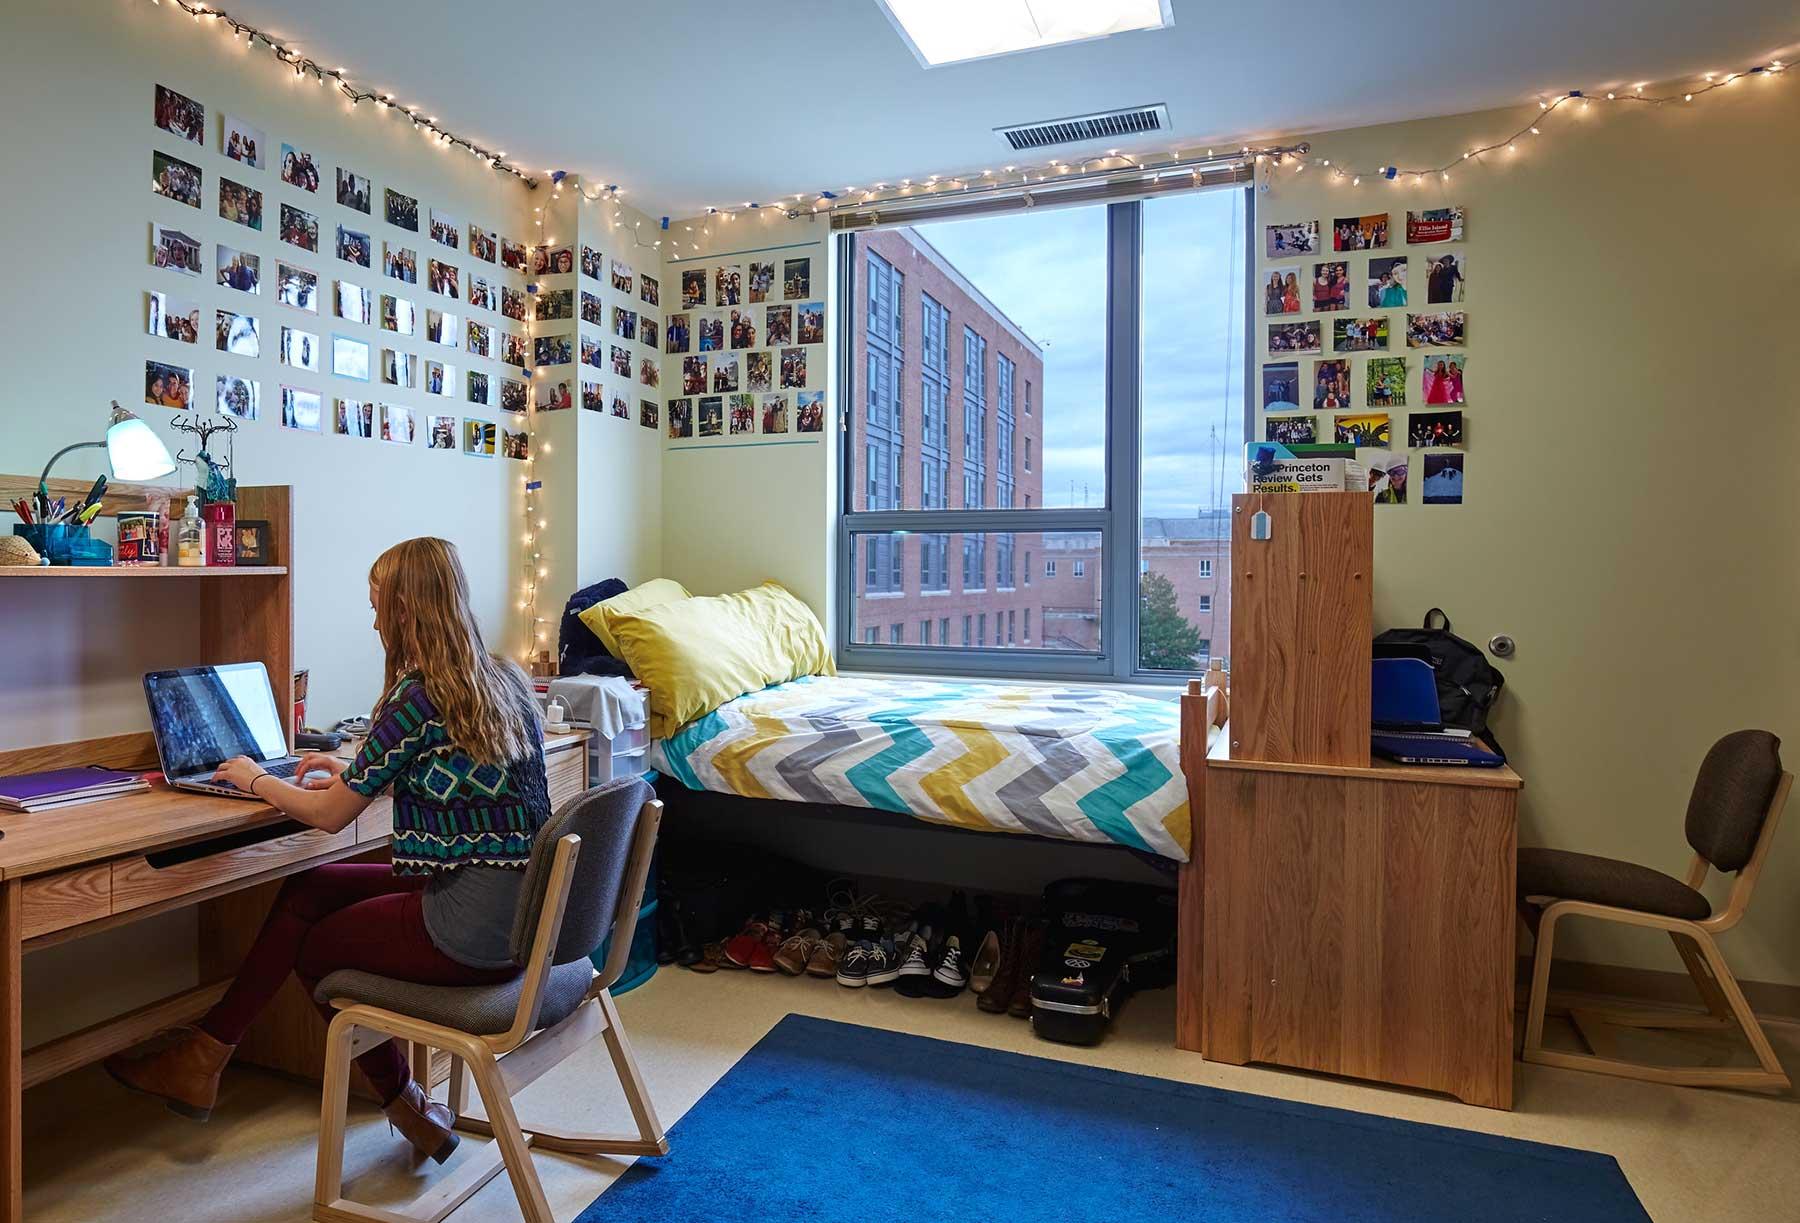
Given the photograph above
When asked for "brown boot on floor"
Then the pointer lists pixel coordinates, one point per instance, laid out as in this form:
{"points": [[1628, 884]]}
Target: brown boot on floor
{"points": [[423, 1122], [181, 1068], [999, 991], [1032, 951]]}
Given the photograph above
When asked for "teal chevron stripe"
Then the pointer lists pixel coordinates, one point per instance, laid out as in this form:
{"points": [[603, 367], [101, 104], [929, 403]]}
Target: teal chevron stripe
{"points": [[1106, 806], [681, 748], [871, 776]]}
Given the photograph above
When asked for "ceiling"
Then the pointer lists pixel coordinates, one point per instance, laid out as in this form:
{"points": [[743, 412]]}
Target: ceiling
{"points": [[694, 103]]}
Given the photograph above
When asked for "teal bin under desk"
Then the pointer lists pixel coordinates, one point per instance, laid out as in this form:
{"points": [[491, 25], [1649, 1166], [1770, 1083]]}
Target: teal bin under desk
{"points": [[640, 965]]}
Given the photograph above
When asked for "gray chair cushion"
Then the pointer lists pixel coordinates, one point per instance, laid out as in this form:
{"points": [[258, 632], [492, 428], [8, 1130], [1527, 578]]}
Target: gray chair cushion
{"points": [[481, 1010], [1607, 881], [1731, 796]]}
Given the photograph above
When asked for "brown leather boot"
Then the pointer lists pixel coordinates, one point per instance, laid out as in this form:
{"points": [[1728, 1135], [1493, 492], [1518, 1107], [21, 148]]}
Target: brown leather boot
{"points": [[181, 1068], [423, 1122]]}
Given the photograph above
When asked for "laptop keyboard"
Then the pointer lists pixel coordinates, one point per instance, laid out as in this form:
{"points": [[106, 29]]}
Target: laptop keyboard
{"points": [[284, 768]]}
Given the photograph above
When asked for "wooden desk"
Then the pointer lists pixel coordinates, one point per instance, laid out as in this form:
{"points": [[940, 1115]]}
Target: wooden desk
{"points": [[77, 871], [1358, 921]]}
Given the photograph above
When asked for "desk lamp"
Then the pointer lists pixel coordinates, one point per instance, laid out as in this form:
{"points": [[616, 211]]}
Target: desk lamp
{"points": [[133, 451]]}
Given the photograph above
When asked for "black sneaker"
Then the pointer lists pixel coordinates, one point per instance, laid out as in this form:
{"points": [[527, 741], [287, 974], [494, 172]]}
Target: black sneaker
{"points": [[915, 964], [950, 975], [853, 965], [884, 962]]}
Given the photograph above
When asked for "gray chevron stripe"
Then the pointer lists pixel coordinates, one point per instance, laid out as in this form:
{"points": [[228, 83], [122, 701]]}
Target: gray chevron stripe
{"points": [[1023, 796], [797, 768]]}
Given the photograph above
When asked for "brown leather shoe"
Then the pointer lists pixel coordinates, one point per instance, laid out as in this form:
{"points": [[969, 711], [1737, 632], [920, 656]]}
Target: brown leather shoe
{"points": [[181, 1068], [423, 1122]]}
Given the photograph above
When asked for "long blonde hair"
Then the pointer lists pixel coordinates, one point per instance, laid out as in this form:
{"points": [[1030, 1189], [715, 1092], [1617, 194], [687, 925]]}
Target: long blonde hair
{"points": [[422, 609]]}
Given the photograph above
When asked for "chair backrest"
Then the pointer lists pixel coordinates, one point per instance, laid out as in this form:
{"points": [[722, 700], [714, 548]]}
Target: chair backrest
{"points": [[606, 819], [1731, 797]]}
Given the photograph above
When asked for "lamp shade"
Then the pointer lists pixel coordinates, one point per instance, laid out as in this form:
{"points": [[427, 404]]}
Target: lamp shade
{"points": [[133, 449]]}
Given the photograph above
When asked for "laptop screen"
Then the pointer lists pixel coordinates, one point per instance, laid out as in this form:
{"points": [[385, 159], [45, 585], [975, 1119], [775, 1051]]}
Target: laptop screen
{"points": [[205, 715]]}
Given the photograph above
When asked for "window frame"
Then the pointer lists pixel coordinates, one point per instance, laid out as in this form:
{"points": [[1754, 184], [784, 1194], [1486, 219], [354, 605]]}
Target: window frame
{"points": [[1118, 522]]}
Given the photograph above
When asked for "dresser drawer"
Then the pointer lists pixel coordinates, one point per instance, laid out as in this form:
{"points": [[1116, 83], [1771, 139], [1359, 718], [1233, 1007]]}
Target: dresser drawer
{"points": [[146, 879], [566, 773], [67, 898]]}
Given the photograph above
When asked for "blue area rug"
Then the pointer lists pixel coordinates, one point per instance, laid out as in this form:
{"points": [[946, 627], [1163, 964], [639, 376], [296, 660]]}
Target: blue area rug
{"points": [[829, 1121]]}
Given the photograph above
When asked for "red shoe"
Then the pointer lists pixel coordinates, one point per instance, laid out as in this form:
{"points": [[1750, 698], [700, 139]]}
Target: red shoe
{"points": [[762, 954], [740, 949]]}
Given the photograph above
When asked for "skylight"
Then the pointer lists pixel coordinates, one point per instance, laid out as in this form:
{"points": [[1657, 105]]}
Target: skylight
{"points": [[951, 31]]}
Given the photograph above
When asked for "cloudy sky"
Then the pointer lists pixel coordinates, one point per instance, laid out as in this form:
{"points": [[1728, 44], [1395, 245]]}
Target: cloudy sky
{"points": [[1047, 271]]}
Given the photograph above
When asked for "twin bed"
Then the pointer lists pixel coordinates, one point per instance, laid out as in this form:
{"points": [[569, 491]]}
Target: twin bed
{"points": [[1066, 762]]}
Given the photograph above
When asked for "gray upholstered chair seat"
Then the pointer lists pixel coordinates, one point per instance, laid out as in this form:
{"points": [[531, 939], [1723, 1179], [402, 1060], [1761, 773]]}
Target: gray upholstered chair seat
{"points": [[1607, 881], [482, 1010]]}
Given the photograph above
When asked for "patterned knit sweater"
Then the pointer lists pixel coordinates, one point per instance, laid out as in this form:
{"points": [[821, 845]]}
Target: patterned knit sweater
{"points": [[449, 810]]}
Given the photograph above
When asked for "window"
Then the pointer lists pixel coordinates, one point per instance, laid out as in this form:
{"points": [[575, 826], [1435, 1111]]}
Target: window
{"points": [[884, 446], [869, 636], [934, 399], [1193, 424], [974, 567], [896, 633], [1003, 433], [934, 563], [974, 459], [1089, 417]]}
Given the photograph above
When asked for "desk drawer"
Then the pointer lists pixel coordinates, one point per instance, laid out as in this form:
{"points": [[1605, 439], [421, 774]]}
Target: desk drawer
{"points": [[566, 773], [138, 881], [67, 898]]}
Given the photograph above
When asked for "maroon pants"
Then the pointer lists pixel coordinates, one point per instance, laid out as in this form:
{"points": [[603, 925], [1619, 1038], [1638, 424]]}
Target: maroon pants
{"points": [[347, 915]]}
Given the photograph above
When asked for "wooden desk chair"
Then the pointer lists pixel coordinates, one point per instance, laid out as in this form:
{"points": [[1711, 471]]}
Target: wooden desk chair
{"points": [[586, 877], [1731, 819]]}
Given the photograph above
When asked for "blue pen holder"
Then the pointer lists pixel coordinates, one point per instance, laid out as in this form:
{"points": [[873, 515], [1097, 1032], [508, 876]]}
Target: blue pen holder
{"points": [[64, 543]]}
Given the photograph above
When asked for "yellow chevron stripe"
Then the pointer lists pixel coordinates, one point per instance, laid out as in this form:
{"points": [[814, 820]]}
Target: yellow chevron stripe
{"points": [[733, 760], [1180, 827], [944, 785]]}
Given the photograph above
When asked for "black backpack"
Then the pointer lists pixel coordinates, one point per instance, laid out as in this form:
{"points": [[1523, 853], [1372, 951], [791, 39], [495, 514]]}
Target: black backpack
{"points": [[1467, 683]]}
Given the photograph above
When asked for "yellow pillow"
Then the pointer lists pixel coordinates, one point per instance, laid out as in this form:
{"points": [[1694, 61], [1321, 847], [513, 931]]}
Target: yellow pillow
{"points": [[696, 654], [653, 593]]}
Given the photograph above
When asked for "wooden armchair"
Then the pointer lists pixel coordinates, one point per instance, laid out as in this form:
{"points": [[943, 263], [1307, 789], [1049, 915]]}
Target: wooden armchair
{"points": [[586, 878], [1736, 805]]}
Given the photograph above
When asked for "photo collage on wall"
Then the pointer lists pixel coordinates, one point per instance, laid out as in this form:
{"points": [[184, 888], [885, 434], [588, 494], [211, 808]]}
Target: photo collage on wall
{"points": [[744, 348], [1366, 344], [613, 314], [334, 278]]}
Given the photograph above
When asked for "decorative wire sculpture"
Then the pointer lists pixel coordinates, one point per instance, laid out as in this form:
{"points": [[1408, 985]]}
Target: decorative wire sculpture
{"points": [[214, 480]]}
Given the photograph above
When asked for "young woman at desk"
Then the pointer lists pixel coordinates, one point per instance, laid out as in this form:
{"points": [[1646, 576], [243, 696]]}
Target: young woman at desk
{"points": [[457, 737]]}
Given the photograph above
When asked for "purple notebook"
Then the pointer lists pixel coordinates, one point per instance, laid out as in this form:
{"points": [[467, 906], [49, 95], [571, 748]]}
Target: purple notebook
{"points": [[28, 787]]}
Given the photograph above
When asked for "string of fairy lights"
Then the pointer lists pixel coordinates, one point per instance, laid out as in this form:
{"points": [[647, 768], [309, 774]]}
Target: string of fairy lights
{"points": [[325, 77], [1577, 99]]}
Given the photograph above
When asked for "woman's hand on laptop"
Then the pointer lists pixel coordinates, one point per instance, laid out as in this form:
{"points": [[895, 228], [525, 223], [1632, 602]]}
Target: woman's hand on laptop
{"points": [[313, 764], [240, 771]]}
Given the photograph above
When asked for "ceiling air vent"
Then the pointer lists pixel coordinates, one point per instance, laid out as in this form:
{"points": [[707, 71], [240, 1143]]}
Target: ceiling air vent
{"points": [[1080, 129]]}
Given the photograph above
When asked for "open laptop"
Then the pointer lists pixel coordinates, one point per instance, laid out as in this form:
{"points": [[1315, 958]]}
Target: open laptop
{"points": [[203, 716]]}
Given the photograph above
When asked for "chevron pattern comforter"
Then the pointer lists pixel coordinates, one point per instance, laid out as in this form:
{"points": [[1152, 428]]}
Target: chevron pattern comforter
{"points": [[1080, 764]]}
